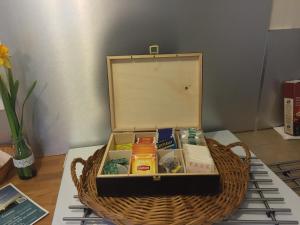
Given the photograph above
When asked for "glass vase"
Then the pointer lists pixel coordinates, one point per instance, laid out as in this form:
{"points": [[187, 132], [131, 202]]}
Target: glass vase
{"points": [[24, 159]]}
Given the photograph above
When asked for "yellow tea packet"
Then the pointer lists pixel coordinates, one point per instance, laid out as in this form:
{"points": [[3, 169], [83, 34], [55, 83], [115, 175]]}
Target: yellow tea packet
{"points": [[143, 164], [123, 146]]}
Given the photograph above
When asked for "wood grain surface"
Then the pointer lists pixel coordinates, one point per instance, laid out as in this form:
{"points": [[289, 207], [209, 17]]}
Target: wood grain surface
{"points": [[162, 89], [43, 189]]}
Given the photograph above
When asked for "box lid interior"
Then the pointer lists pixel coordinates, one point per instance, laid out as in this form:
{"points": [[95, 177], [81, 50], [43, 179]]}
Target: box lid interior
{"points": [[155, 91]]}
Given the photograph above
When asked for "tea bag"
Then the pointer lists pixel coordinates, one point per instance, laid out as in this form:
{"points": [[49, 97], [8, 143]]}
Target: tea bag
{"points": [[165, 138], [116, 166], [192, 136], [170, 163], [146, 140], [143, 164], [198, 159], [123, 146]]}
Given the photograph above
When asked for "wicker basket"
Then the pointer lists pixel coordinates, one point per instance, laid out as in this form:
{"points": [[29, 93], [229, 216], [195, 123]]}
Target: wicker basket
{"points": [[173, 210], [5, 161]]}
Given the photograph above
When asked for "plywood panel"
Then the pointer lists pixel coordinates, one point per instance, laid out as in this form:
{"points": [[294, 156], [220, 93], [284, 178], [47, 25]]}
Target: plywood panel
{"points": [[149, 93]]}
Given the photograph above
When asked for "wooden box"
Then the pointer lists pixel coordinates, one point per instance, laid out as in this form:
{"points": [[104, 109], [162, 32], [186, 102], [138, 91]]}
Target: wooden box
{"points": [[148, 92]]}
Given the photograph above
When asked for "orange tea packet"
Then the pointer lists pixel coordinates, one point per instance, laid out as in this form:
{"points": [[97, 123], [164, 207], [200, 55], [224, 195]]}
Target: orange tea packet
{"points": [[143, 149], [146, 140]]}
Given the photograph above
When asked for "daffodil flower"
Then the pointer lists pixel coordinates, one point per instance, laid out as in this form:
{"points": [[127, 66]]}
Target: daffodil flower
{"points": [[4, 57]]}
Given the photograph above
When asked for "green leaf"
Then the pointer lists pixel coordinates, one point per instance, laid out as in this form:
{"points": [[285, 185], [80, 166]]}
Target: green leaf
{"points": [[25, 100], [10, 81], [13, 87], [9, 109], [14, 94]]}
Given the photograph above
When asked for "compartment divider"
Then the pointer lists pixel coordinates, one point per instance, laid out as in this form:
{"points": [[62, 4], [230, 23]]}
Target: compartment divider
{"points": [[182, 160], [129, 164], [157, 163], [177, 139]]}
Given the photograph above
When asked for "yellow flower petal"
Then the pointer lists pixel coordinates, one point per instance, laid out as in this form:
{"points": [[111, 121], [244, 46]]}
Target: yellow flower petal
{"points": [[4, 57], [7, 64], [3, 50]]}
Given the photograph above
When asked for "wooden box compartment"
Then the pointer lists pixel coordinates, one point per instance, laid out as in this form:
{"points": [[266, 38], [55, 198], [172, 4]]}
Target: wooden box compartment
{"points": [[178, 154], [121, 138], [148, 92], [160, 183]]}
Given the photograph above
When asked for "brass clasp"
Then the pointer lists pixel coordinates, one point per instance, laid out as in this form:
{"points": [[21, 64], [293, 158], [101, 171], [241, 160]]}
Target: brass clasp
{"points": [[154, 49], [156, 178]]}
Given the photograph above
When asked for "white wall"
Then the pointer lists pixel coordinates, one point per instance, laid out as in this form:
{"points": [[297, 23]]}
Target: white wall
{"points": [[285, 14]]}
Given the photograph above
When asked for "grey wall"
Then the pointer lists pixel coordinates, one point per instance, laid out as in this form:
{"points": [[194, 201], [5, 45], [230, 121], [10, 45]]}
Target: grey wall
{"points": [[282, 63], [63, 45]]}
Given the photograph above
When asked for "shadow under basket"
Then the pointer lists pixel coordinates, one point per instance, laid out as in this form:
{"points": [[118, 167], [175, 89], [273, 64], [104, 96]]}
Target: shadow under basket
{"points": [[176, 209]]}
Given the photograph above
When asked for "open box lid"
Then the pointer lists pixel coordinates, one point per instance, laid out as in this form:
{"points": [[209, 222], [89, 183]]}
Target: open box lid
{"points": [[155, 91]]}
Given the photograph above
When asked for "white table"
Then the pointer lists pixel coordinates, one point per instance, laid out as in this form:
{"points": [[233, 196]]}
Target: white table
{"points": [[67, 189]]}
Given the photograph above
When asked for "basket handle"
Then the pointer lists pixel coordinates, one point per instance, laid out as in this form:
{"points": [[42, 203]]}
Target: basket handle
{"points": [[73, 171], [245, 148]]}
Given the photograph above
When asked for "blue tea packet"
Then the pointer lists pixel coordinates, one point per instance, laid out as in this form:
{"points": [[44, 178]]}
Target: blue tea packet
{"points": [[165, 138]]}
